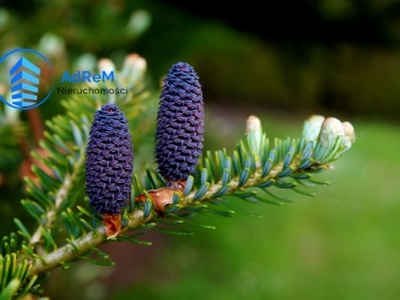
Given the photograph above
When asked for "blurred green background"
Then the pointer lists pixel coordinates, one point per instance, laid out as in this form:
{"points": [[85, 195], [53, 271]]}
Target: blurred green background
{"points": [[281, 62]]}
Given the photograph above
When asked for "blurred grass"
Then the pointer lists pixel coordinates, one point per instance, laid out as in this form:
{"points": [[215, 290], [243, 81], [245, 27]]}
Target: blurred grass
{"points": [[342, 244]]}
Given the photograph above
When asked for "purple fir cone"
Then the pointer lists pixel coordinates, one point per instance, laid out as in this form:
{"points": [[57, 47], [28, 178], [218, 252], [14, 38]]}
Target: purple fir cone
{"points": [[180, 123], [109, 161]]}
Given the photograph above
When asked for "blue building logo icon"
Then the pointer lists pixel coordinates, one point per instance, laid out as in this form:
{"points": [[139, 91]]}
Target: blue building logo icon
{"points": [[28, 88], [24, 83]]}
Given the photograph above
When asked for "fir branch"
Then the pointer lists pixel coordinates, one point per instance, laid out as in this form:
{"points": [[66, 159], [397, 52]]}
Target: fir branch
{"points": [[84, 244], [67, 229], [140, 215], [68, 252], [61, 194]]}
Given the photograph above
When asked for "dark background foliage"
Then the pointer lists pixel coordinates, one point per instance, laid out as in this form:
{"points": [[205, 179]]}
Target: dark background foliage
{"points": [[329, 55]]}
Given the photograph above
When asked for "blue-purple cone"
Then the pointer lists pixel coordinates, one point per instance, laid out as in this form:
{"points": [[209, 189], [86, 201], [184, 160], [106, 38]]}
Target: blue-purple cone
{"points": [[180, 123], [109, 161]]}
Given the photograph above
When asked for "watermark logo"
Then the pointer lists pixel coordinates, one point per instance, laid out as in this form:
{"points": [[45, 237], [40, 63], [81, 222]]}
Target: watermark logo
{"points": [[29, 78], [87, 76], [85, 82]]}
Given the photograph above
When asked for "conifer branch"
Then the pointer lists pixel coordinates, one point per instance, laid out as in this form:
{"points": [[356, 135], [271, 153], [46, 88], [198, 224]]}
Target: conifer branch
{"points": [[140, 217], [68, 227], [61, 194], [68, 252]]}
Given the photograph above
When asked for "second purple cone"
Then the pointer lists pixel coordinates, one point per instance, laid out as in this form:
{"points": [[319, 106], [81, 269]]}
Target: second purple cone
{"points": [[180, 123]]}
